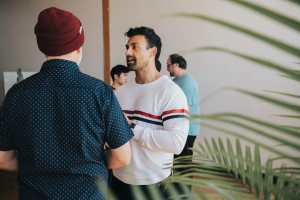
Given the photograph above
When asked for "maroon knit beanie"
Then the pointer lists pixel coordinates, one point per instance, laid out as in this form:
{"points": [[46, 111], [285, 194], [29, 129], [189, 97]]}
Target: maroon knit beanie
{"points": [[58, 32]]}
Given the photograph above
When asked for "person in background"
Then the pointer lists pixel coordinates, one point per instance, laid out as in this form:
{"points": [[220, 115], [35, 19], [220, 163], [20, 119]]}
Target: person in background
{"points": [[157, 111], [177, 67], [54, 124], [119, 76]]}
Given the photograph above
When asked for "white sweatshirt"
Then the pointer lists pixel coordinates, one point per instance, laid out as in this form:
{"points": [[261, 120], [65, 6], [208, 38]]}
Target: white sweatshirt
{"points": [[159, 110]]}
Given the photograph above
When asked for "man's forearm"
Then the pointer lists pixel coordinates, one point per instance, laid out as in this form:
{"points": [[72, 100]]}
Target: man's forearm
{"points": [[113, 162], [119, 157], [8, 161], [170, 141]]}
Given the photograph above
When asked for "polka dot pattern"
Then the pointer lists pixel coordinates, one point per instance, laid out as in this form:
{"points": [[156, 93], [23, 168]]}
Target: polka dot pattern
{"points": [[58, 120]]}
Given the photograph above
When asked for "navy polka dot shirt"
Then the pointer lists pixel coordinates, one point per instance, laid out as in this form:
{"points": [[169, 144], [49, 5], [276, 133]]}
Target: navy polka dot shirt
{"points": [[58, 120]]}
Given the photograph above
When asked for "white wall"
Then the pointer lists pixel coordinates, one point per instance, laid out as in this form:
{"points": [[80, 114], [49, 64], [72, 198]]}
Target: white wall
{"points": [[18, 43], [214, 70]]}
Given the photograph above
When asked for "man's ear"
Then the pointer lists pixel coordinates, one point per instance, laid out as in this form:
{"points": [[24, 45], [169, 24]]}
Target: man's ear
{"points": [[153, 51], [176, 65], [116, 76], [78, 51]]}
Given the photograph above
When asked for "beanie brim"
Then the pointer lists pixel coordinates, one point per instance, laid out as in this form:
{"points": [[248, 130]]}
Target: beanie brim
{"points": [[60, 49], [58, 32]]}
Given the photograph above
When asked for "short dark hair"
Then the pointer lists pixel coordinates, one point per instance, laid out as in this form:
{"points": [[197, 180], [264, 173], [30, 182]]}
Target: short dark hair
{"points": [[118, 70], [152, 38], [176, 58]]}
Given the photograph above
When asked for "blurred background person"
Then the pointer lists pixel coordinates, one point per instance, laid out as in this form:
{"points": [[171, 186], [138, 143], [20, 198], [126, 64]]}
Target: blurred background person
{"points": [[177, 67], [119, 76]]}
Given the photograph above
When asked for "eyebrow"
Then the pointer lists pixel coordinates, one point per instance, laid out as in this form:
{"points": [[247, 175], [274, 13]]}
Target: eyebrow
{"points": [[132, 43]]}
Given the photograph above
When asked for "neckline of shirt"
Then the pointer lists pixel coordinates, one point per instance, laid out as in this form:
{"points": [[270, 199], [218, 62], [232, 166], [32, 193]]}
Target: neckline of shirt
{"points": [[59, 64], [157, 81]]}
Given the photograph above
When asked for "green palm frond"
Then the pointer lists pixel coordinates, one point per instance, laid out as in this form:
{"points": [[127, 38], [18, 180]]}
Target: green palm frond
{"points": [[297, 2], [278, 102], [271, 14], [293, 50], [289, 116], [240, 172], [240, 119], [138, 194], [260, 61], [249, 139], [284, 94], [296, 128]]}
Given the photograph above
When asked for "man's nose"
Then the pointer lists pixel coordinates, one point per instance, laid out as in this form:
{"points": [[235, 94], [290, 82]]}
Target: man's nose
{"points": [[128, 52]]}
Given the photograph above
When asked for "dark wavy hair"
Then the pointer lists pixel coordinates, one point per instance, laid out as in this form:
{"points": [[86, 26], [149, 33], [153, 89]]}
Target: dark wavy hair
{"points": [[176, 58], [152, 38], [118, 70]]}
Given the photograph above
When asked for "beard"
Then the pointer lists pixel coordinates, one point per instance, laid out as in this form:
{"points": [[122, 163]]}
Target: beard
{"points": [[172, 74], [131, 62]]}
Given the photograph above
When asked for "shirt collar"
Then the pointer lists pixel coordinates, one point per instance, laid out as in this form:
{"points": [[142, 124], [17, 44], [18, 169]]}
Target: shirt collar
{"points": [[59, 65]]}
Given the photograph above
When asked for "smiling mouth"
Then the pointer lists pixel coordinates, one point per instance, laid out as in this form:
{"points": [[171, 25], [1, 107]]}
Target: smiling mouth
{"points": [[131, 60]]}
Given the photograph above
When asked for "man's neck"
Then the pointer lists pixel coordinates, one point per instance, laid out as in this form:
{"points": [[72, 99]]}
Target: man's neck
{"points": [[70, 57], [180, 73], [146, 75]]}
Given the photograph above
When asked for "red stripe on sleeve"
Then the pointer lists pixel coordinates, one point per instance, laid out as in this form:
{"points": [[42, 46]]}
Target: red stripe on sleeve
{"points": [[174, 111], [142, 113]]}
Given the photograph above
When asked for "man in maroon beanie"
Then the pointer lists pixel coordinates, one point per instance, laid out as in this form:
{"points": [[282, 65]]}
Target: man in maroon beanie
{"points": [[53, 125]]}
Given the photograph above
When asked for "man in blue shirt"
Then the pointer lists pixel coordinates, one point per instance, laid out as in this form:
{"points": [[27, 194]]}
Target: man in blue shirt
{"points": [[176, 66], [55, 124]]}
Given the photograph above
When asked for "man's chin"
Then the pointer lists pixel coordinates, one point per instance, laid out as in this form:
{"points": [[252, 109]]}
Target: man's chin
{"points": [[131, 67]]}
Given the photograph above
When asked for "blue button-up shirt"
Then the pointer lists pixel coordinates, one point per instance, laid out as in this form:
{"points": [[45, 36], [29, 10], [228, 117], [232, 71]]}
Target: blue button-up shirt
{"points": [[58, 120]]}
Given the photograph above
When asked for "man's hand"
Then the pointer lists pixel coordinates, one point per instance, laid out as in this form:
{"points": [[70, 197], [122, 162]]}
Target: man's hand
{"points": [[129, 121], [8, 161]]}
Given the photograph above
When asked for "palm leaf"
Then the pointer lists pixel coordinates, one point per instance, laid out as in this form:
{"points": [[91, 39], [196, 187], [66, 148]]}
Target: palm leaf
{"points": [[269, 179], [260, 61], [295, 1], [259, 186], [284, 94], [289, 116], [277, 102], [260, 178], [266, 147], [138, 194], [249, 168], [283, 19], [269, 40], [233, 117], [233, 165]]}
